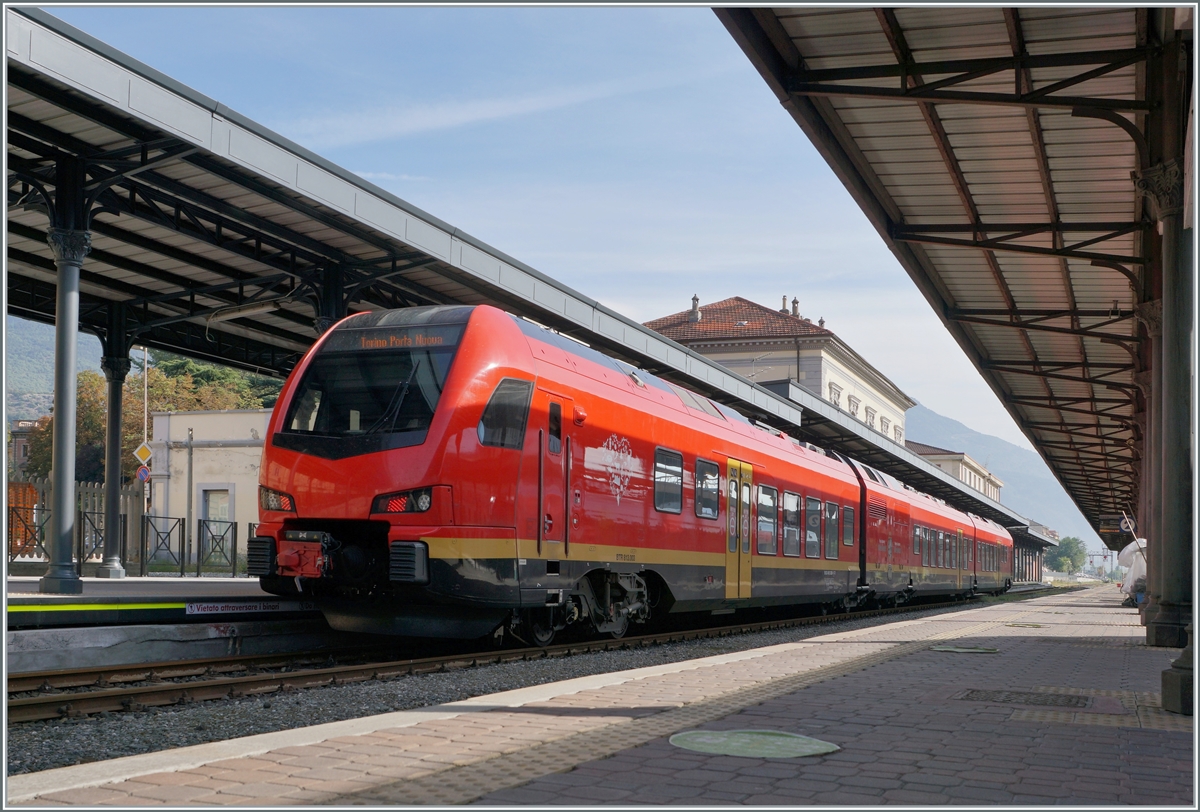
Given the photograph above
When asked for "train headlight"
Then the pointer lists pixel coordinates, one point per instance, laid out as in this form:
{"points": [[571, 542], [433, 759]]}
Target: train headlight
{"points": [[275, 500], [417, 501]]}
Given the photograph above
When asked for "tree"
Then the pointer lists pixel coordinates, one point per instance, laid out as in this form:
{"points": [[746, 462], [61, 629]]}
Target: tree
{"points": [[174, 384], [1069, 556]]}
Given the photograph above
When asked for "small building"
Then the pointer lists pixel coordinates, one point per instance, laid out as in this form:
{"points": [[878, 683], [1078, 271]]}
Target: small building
{"points": [[774, 347], [960, 466], [226, 451], [18, 445]]}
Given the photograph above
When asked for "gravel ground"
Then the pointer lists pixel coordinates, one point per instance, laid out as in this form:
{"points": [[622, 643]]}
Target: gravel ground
{"points": [[35, 746]]}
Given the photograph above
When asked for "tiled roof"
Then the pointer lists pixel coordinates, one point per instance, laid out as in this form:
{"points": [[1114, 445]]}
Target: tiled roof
{"points": [[925, 450], [734, 318]]}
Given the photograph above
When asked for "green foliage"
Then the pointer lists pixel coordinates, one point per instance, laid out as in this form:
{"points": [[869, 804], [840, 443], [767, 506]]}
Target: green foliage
{"points": [[1069, 556], [253, 391]]}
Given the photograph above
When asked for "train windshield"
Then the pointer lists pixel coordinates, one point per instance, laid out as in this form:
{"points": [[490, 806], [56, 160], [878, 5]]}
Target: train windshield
{"points": [[370, 389]]}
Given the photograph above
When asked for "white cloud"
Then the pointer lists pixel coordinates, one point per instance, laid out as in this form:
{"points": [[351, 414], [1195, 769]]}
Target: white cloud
{"points": [[342, 128]]}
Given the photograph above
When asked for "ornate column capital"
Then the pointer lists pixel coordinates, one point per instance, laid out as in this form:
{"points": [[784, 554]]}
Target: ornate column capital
{"points": [[115, 367], [1143, 381], [1150, 314], [1163, 185], [69, 245]]}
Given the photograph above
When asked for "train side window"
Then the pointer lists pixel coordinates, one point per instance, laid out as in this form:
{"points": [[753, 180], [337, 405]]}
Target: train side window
{"points": [[831, 530], [925, 546], [791, 524], [812, 527], [953, 553], [507, 411], [916, 540], [668, 481], [941, 549], [848, 526], [555, 442], [731, 515], [768, 500], [708, 495]]}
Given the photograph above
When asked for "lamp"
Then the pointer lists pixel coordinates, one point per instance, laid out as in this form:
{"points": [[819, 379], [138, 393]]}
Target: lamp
{"points": [[249, 309]]}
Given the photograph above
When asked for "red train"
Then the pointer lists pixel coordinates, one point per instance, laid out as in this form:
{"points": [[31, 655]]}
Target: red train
{"points": [[457, 471]]}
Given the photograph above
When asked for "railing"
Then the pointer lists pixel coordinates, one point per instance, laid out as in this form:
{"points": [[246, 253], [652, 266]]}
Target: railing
{"points": [[89, 538], [216, 546], [27, 532], [162, 542]]}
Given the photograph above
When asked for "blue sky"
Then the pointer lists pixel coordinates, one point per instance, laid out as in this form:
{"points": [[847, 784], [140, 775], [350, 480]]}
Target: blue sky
{"points": [[632, 153]]}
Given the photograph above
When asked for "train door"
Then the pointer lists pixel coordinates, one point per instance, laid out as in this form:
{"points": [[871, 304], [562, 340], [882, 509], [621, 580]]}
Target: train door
{"points": [[739, 488], [553, 472], [901, 541]]}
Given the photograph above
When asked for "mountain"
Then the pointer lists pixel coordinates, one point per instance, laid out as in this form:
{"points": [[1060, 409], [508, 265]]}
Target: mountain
{"points": [[29, 365], [1029, 487]]}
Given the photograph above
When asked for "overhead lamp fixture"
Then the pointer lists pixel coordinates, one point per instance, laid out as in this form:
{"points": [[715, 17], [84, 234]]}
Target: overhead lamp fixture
{"points": [[248, 309]]}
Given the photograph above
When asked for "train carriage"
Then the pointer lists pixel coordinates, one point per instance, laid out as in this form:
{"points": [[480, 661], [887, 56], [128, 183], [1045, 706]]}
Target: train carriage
{"points": [[458, 471]]}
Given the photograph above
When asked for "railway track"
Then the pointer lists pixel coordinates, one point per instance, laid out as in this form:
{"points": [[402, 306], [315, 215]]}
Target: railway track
{"points": [[79, 692]]}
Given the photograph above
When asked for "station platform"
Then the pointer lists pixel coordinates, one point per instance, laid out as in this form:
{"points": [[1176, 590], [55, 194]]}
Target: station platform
{"points": [[149, 600], [1064, 710]]}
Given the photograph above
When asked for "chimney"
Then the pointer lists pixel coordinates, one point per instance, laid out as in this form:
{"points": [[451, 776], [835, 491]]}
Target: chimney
{"points": [[694, 314], [783, 309], [796, 307], [821, 322]]}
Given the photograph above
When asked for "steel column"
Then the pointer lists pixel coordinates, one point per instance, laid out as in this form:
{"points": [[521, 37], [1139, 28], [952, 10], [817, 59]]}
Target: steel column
{"points": [[331, 298], [70, 242], [115, 364]]}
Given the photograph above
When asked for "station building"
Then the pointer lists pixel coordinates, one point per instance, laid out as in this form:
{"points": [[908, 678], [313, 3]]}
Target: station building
{"points": [[960, 465], [776, 347]]}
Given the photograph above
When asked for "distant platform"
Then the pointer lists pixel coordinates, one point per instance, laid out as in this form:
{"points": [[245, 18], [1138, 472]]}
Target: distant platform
{"points": [[108, 602]]}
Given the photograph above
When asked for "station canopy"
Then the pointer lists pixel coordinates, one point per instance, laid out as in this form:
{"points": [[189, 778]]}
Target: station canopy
{"points": [[992, 150], [216, 238]]}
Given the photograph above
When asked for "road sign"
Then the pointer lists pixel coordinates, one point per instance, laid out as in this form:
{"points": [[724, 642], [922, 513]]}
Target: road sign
{"points": [[143, 453], [143, 473], [1128, 524]]}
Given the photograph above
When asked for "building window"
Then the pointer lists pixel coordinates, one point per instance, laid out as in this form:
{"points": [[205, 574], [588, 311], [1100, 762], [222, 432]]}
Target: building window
{"points": [[835, 395], [870, 417], [853, 402], [898, 433], [884, 424]]}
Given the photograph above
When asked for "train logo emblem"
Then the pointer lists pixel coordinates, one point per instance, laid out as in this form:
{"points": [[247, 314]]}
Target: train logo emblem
{"points": [[618, 462]]}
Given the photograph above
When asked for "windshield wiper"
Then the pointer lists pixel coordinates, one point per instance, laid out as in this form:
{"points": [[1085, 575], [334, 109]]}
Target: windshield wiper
{"points": [[393, 410]]}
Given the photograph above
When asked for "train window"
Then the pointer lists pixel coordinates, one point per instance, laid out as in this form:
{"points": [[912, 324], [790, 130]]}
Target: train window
{"points": [[870, 473], [953, 553], [668, 481], [848, 526], [745, 517], [941, 549], [504, 418], [708, 495], [916, 540], [791, 524], [927, 552], [555, 440], [812, 527], [831, 530], [768, 500]]}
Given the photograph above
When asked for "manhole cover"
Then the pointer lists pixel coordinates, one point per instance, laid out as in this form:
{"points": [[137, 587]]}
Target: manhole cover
{"points": [[965, 649], [751, 743], [1025, 698]]}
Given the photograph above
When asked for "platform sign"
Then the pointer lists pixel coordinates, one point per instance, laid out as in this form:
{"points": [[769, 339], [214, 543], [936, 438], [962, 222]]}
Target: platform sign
{"points": [[1128, 525], [143, 473], [143, 453]]}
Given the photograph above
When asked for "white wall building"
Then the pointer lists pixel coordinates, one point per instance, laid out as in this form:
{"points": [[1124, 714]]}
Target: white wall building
{"points": [[225, 456], [960, 466], [775, 346]]}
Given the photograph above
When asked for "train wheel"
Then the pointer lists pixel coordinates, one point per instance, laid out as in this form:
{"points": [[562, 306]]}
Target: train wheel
{"points": [[540, 625], [617, 634]]}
